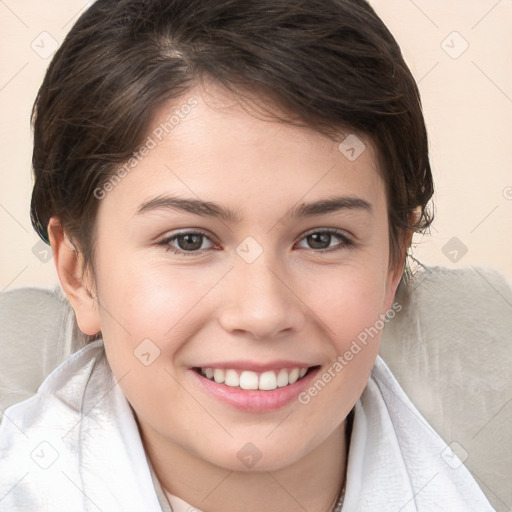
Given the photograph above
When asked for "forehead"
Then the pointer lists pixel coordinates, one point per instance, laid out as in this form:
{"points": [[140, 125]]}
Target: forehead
{"points": [[208, 145]]}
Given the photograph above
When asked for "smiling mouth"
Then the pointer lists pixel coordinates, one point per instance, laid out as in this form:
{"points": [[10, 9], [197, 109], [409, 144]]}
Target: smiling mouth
{"points": [[249, 380]]}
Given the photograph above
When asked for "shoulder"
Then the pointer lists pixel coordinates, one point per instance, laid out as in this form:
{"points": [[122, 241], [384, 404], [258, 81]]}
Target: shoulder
{"points": [[39, 432]]}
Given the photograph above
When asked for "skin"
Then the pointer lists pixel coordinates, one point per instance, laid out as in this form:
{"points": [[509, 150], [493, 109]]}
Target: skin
{"points": [[296, 301]]}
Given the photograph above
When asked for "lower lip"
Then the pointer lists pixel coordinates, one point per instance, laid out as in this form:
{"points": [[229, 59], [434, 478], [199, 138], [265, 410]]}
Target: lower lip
{"points": [[256, 400]]}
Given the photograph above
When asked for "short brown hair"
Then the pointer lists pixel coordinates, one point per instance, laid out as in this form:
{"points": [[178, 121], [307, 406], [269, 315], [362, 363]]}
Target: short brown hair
{"points": [[330, 64]]}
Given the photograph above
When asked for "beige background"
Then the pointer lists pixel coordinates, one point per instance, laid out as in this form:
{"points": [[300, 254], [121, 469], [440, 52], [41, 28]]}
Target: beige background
{"points": [[467, 98]]}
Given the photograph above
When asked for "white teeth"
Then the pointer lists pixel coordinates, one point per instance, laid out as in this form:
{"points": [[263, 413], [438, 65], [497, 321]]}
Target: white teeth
{"points": [[232, 378], [293, 376], [268, 381], [282, 378], [249, 380], [218, 375], [265, 381]]}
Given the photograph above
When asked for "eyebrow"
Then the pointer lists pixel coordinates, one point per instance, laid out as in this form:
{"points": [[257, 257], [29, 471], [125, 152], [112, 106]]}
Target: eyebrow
{"points": [[195, 206], [209, 209], [330, 205]]}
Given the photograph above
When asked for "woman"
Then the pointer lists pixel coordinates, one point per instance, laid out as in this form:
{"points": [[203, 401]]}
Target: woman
{"points": [[229, 189]]}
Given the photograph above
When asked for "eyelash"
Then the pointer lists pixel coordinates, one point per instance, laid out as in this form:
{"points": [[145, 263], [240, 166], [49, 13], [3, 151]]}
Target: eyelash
{"points": [[346, 242]]}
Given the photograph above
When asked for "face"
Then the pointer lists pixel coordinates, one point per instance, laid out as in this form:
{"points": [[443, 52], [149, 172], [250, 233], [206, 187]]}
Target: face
{"points": [[245, 247]]}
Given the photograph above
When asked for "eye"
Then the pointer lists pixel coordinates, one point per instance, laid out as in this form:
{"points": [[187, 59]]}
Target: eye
{"points": [[325, 240], [190, 242]]}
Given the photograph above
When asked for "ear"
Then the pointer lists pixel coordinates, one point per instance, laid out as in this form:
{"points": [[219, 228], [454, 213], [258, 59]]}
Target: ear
{"points": [[396, 270], [77, 284]]}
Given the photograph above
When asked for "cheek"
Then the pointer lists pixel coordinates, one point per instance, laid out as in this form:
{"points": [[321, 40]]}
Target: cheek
{"points": [[148, 313], [159, 302], [143, 288], [350, 305], [348, 299]]}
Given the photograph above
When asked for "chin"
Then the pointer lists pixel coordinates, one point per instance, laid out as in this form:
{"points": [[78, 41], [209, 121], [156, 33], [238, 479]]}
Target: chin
{"points": [[247, 457]]}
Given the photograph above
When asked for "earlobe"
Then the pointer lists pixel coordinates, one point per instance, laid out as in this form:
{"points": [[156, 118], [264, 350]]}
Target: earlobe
{"points": [[77, 285]]}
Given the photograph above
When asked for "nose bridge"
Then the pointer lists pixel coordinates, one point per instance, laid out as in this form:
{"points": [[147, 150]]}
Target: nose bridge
{"points": [[259, 300]]}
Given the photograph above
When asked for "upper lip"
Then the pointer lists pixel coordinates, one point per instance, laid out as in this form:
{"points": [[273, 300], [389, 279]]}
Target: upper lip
{"points": [[255, 366]]}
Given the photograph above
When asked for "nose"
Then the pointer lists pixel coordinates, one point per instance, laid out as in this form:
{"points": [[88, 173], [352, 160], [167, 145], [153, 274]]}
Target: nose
{"points": [[260, 302]]}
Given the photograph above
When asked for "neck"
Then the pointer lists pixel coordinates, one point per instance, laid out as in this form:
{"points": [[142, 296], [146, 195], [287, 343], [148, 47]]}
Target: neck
{"points": [[312, 483]]}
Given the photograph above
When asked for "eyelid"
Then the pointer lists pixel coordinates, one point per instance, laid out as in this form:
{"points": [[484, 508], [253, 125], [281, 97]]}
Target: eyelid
{"points": [[185, 231], [335, 231]]}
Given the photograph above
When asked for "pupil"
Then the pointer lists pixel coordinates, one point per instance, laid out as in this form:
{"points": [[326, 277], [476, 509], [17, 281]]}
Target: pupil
{"points": [[189, 242], [319, 240]]}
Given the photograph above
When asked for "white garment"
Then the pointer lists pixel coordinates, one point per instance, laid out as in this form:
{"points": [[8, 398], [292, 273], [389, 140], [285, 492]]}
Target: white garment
{"points": [[75, 446], [178, 505]]}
